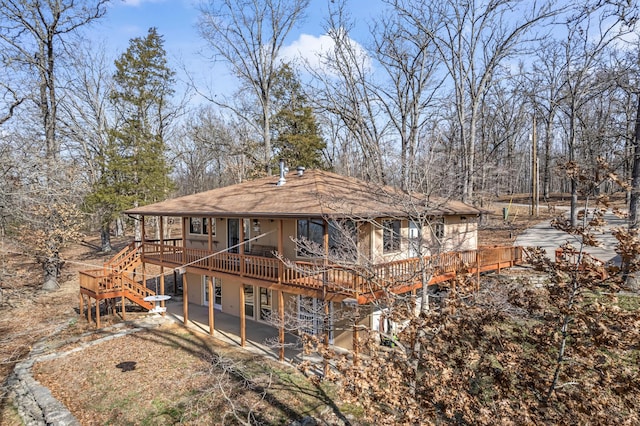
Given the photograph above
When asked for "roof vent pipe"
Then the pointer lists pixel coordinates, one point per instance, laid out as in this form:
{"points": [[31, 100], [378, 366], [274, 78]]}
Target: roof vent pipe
{"points": [[283, 170], [300, 170]]}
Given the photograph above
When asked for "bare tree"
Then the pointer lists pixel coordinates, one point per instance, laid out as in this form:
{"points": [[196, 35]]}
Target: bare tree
{"points": [[14, 101], [212, 152], [33, 35], [248, 35], [345, 89], [86, 113], [473, 40], [408, 56], [588, 36], [545, 91], [504, 124]]}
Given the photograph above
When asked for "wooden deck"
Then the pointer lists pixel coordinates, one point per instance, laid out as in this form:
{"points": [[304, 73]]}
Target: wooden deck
{"points": [[317, 279], [339, 281]]}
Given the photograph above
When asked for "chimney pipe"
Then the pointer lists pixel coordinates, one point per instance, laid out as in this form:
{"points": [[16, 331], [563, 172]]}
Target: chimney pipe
{"points": [[300, 170], [283, 170]]}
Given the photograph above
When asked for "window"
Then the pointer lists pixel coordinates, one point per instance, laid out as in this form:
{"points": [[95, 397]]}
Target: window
{"points": [[200, 226], [217, 291], [390, 236], [265, 304], [343, 239], [438, 228], [311, 231], [248, 300]]}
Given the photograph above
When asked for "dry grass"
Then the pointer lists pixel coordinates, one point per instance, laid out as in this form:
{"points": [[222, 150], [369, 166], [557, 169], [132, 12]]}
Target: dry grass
{"points": [[170, 375], [179, 376]]}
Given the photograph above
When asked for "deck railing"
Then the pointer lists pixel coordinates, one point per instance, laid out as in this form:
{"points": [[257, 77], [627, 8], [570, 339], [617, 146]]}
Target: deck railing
{"points": [[313, 275], [350, 280]]}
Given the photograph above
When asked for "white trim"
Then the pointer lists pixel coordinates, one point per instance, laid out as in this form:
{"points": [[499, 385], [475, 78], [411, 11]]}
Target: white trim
{"points": [[217, 284]]}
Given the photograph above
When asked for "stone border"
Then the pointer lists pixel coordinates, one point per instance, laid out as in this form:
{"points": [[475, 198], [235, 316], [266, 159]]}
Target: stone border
{"points": [[34, 402]]}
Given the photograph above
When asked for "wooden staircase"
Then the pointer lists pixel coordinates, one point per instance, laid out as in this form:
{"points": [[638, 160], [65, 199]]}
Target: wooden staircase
{"points": [[115, 280]]}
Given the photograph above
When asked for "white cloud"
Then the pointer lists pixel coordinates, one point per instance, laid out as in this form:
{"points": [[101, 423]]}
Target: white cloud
{"points": [[316, 51], [309, 49], [136, 3]]}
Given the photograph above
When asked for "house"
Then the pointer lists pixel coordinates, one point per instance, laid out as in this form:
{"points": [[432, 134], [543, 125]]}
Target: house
{"points": [[311, 244]]}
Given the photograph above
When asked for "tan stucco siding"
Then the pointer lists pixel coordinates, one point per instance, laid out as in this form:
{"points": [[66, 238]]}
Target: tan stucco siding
{"points": [[194, 288], [461, 233]]}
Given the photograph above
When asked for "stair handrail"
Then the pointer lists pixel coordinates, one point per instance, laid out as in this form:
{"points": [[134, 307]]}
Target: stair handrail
{"points": [[123, 257]]}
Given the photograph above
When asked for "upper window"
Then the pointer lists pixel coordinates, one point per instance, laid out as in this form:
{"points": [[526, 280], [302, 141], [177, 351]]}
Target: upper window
{"points": [[343, 239], [438, 228], [390, 236], [310, 234], [200, 226]]}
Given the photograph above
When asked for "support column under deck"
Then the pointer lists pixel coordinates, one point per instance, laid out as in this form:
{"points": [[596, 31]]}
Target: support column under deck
{"points": [[281, 329], [243, 320], [211, 303], [185, 299], [81, 304]]}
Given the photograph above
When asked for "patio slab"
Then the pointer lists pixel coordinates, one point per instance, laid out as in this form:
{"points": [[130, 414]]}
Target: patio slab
{"points": [[227, 329]]}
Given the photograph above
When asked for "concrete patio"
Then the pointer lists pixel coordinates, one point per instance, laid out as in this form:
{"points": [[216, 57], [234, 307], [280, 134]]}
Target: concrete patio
{"points": [[227, 329]]}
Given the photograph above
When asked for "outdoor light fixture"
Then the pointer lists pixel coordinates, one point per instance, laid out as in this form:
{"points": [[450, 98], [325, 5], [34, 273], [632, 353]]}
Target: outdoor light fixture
{"points": [[256, 225]]}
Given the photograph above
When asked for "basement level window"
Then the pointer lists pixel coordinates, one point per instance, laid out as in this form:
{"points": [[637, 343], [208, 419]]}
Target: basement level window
{"points": [[200, 226]]}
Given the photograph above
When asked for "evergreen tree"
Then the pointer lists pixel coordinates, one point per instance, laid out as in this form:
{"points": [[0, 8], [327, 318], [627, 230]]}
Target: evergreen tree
{"points": [[134, 168], [296, 134]]}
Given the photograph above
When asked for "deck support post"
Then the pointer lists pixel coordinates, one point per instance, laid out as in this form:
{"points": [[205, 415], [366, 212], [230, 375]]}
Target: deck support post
{"points": [[124, 309], [81, 297], [211, 303], [478, 261], [162, 303], [356, 344], [89, 309], [325, 282], [97, 313], [185, 299], [243, 320], [281, 328]]}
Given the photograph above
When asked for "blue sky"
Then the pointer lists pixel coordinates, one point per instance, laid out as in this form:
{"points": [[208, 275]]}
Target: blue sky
{"points": [[176, 21]]}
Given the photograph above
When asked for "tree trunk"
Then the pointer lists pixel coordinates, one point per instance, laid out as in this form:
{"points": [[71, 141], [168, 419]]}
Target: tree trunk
{"points": [[119, 227], [266, 135], [105, 238], [631, 278], [546, 173], [634, 203], [51, 268]]}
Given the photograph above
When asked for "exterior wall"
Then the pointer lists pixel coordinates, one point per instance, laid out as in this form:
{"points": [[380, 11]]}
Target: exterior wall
{"points": [[289, 230], [200, 241], [266, 226], [461, 233], [343, 328], [194, 288], [231, 295]]}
